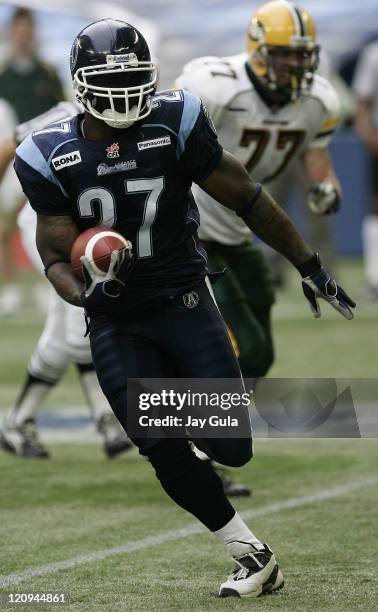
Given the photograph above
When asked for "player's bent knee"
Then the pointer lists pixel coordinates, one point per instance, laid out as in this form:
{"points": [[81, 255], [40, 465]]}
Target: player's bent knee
{"points": [[232, 452], [239, 456], [48, 361]]}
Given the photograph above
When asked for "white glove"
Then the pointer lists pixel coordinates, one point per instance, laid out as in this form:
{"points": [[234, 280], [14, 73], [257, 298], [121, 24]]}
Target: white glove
{"points": [[111, 285], [323, 199], [317, 283]]}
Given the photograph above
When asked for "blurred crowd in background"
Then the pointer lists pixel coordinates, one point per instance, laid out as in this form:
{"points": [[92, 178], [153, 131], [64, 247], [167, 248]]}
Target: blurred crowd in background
{"points": [[34, 75]]}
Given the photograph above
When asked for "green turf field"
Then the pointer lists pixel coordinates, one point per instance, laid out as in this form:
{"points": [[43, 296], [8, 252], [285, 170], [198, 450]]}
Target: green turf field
{"points": [[80, 504]]}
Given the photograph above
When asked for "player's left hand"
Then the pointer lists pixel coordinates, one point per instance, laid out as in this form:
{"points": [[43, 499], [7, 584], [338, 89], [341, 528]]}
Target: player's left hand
{"points": [[101, 291], [317, 283], [323, 199]]}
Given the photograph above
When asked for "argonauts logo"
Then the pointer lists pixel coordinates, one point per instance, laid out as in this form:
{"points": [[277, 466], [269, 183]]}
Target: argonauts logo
{"points": [[191, 299]]}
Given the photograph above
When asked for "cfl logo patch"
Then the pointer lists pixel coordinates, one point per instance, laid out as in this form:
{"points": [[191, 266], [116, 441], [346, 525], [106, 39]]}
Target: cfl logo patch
{"points": [[191, 299], [70, 159]]}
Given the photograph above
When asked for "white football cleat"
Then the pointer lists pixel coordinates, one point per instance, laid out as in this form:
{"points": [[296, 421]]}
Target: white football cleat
{"points": [[256, 572], [23, 440]]}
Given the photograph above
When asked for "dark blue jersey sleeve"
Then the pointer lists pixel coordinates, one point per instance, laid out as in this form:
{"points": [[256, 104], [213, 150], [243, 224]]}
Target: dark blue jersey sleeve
{"points": [[199, 151], [44, 192]]}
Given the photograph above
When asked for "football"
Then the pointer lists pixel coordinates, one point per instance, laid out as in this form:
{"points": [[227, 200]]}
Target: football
{"points": [[97, 244]]}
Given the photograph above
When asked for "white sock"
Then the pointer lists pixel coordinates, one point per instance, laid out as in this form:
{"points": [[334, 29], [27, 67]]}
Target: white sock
{"points": [[97, 402], [235, 532], [30, 402], [370, 246]]}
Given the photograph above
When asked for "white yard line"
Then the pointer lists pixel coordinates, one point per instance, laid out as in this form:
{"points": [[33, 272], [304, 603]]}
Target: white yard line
{"points": [[72, 424], [178, 534]]}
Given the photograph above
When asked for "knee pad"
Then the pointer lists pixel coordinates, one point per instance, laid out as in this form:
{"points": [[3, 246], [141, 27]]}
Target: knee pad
{"points": [[48, 361], [50, 357]]}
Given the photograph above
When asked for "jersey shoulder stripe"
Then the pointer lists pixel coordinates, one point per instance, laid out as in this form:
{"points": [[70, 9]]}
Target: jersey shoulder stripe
{"points": [[30, 154], [191, 110]]}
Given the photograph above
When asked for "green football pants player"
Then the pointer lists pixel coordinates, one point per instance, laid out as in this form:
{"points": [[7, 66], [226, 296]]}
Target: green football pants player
{"points": [[245, 297]]}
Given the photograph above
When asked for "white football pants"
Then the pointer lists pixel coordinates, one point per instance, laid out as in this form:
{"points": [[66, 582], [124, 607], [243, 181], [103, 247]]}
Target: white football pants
{"points": [[62, 340], [370, 248]]}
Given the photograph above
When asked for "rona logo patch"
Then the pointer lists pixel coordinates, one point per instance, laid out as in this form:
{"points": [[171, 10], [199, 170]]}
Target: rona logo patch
{"points": [[63, 161], [156, 142]]}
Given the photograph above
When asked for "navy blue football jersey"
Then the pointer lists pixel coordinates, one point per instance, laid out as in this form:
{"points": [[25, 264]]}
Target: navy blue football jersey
{"points": [[139, 184]]}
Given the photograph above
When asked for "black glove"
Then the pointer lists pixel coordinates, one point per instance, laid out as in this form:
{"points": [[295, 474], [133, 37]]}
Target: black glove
{"points": [[317, 283], [323, 199], [102, 291]]}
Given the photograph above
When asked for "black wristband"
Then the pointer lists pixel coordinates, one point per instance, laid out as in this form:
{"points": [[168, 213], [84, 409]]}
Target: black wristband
{"points": [[53, 262], [310, 267], [251, 202]]}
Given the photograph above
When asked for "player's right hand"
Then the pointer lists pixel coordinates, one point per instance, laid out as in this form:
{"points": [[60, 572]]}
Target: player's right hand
{"points": [[101, 291]]}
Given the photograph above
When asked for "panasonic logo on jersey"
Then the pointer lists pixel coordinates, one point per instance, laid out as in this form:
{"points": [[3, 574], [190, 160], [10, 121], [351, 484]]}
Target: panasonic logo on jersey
{"points": [[63, 161], [156, 142]]}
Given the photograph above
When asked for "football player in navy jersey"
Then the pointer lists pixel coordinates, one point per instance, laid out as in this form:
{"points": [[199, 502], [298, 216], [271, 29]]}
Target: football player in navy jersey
{"points": [[128, 162]]}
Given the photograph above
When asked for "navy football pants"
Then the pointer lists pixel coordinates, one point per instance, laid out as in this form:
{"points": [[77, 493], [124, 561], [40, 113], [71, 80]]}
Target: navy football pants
{"points": [[175, 341]]}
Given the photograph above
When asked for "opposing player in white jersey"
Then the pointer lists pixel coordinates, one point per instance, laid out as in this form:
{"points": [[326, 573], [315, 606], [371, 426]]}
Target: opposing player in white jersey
{"points": [[269, 108], [61, 342], [11, 198], [365, 85]]}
